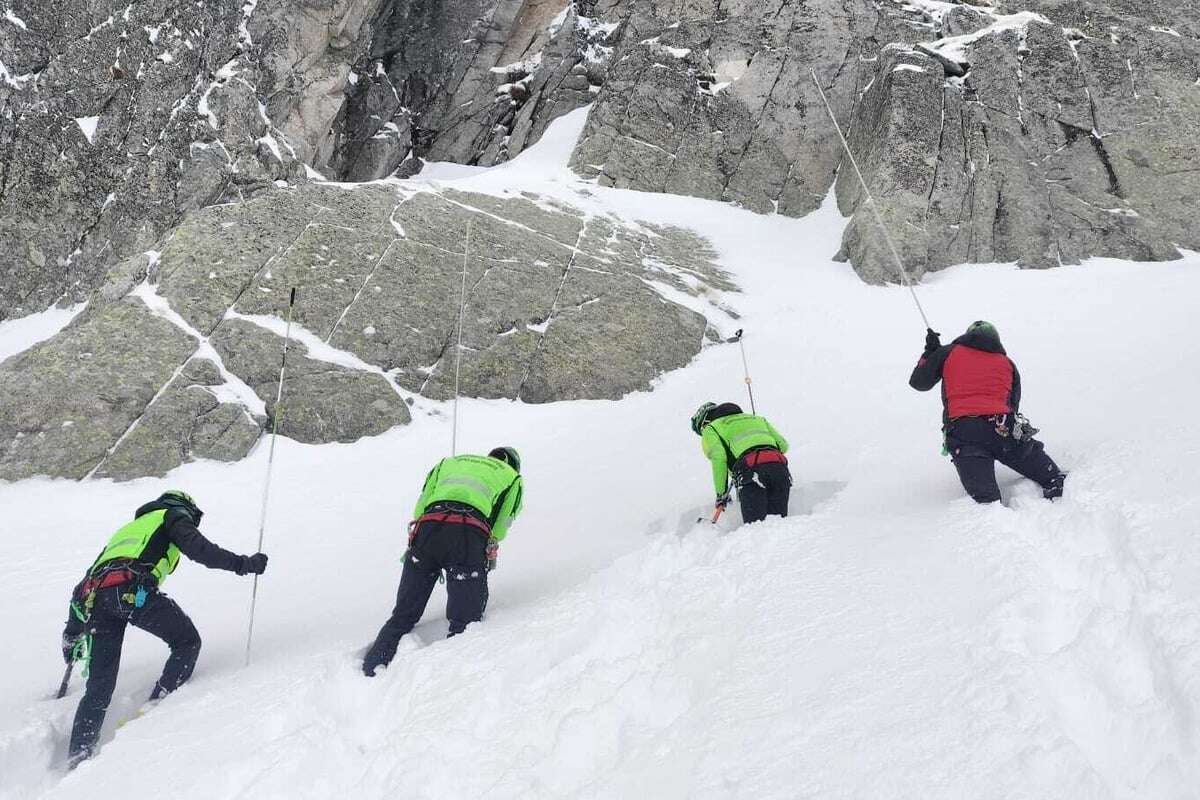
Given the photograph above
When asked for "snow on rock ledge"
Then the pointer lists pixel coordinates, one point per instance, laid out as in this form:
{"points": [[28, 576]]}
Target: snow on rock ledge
{"points": [[560, 305]]}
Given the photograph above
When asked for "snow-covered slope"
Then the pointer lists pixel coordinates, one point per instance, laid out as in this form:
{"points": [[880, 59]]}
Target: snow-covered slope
{"points": [[891, 639]]}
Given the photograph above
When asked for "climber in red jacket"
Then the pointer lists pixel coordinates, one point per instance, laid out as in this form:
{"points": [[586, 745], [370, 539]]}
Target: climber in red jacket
{"points": [[981, 395]]}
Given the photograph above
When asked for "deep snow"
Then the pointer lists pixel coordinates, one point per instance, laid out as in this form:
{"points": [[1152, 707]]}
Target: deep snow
{"points": [[890, 640]]}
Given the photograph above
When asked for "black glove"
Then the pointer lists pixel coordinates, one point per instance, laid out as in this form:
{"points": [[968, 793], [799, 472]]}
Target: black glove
{"points": [[69, 641], [932, 340], [253, 565], [373, 660], [723, 500]]}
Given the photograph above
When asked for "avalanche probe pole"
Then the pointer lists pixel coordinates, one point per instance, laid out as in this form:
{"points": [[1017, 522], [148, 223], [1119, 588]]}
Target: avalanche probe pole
{"points": [[62, 687], [904, 277], [262, 520], [462, 305], [737, 337]]}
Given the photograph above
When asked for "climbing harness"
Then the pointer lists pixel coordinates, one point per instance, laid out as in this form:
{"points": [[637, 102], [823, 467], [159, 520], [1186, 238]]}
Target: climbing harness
{"points": [[1014, 426]]}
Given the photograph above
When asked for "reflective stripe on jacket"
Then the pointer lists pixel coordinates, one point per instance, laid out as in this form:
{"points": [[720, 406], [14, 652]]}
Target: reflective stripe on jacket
{"points": [[726, 439], [136, 542], [486, 484]]}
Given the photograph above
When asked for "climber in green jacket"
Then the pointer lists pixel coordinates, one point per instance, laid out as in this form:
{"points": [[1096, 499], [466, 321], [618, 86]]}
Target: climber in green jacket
{"points": [[748, 448], [122, 588], [464, 512]]}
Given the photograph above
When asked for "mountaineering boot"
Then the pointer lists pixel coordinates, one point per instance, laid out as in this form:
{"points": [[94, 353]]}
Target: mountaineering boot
{"points": [[78, 757], [1054, 488]]}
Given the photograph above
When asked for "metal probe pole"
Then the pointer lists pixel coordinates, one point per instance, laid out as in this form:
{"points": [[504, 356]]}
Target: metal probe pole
{"points": [[262, 521]]}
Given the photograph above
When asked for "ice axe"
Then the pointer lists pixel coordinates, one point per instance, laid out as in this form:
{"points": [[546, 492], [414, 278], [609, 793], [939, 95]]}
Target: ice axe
{"points": [[717, 512], [62, 687]]}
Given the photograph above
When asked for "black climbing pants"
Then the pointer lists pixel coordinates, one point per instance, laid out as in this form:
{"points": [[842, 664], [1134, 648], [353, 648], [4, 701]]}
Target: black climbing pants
{"points": [[113, 609], [763, 490], [976, 444], [460, 552]]}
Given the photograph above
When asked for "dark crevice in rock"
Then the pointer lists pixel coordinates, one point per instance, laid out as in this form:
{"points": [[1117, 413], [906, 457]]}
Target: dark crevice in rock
{"points": [[1114, 183]]}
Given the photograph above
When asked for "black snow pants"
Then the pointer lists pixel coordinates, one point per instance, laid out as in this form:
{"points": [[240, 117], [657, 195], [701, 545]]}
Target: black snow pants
{"points": [[457, 549], [113, 609], [763, 490], [976, 444]]}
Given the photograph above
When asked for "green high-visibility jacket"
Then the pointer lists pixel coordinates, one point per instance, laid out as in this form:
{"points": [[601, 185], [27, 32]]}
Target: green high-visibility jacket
{"points": [[487, 484], [727, 439], [132, 541]]}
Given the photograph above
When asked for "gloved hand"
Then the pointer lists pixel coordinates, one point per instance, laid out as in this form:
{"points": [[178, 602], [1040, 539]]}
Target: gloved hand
{"points": [[723, 500], [932, 340], [253, 565], [69, 642], [373, 660]]}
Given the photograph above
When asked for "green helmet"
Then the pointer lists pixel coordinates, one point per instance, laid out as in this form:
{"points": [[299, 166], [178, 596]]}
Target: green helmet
{"points": [[984, 327], [508, 455], [177, 498], [701, 417]]}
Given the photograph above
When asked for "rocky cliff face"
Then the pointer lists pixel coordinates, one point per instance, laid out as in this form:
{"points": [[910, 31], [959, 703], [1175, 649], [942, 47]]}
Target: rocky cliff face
{"points": [[118, 118], [1040, 131], [1037, 132]]}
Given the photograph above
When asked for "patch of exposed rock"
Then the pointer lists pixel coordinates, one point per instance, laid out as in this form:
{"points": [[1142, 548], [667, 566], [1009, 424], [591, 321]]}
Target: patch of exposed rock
{"points": [[1070, 133], [188, 420], [118, 118], [325, 402], [177, 357], [1035, 131], [65, 403]]}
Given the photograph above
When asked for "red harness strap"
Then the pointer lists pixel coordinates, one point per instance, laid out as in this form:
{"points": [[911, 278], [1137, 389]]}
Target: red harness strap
{"points": [[116, 577], [453, 516], [770, 456]]}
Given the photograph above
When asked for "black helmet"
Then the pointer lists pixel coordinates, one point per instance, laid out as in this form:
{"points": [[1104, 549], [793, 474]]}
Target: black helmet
{"points": [[179, 499], [701, 417], [985, 328], [508, 455]]}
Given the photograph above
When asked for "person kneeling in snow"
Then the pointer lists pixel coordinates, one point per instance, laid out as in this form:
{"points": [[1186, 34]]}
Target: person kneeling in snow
{"points": [[753, 451], [464, 512], [981, 395], [122, 588]]}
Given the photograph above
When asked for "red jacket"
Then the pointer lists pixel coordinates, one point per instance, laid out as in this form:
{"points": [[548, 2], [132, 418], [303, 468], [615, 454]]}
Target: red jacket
{"points": [[978, 378]]}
